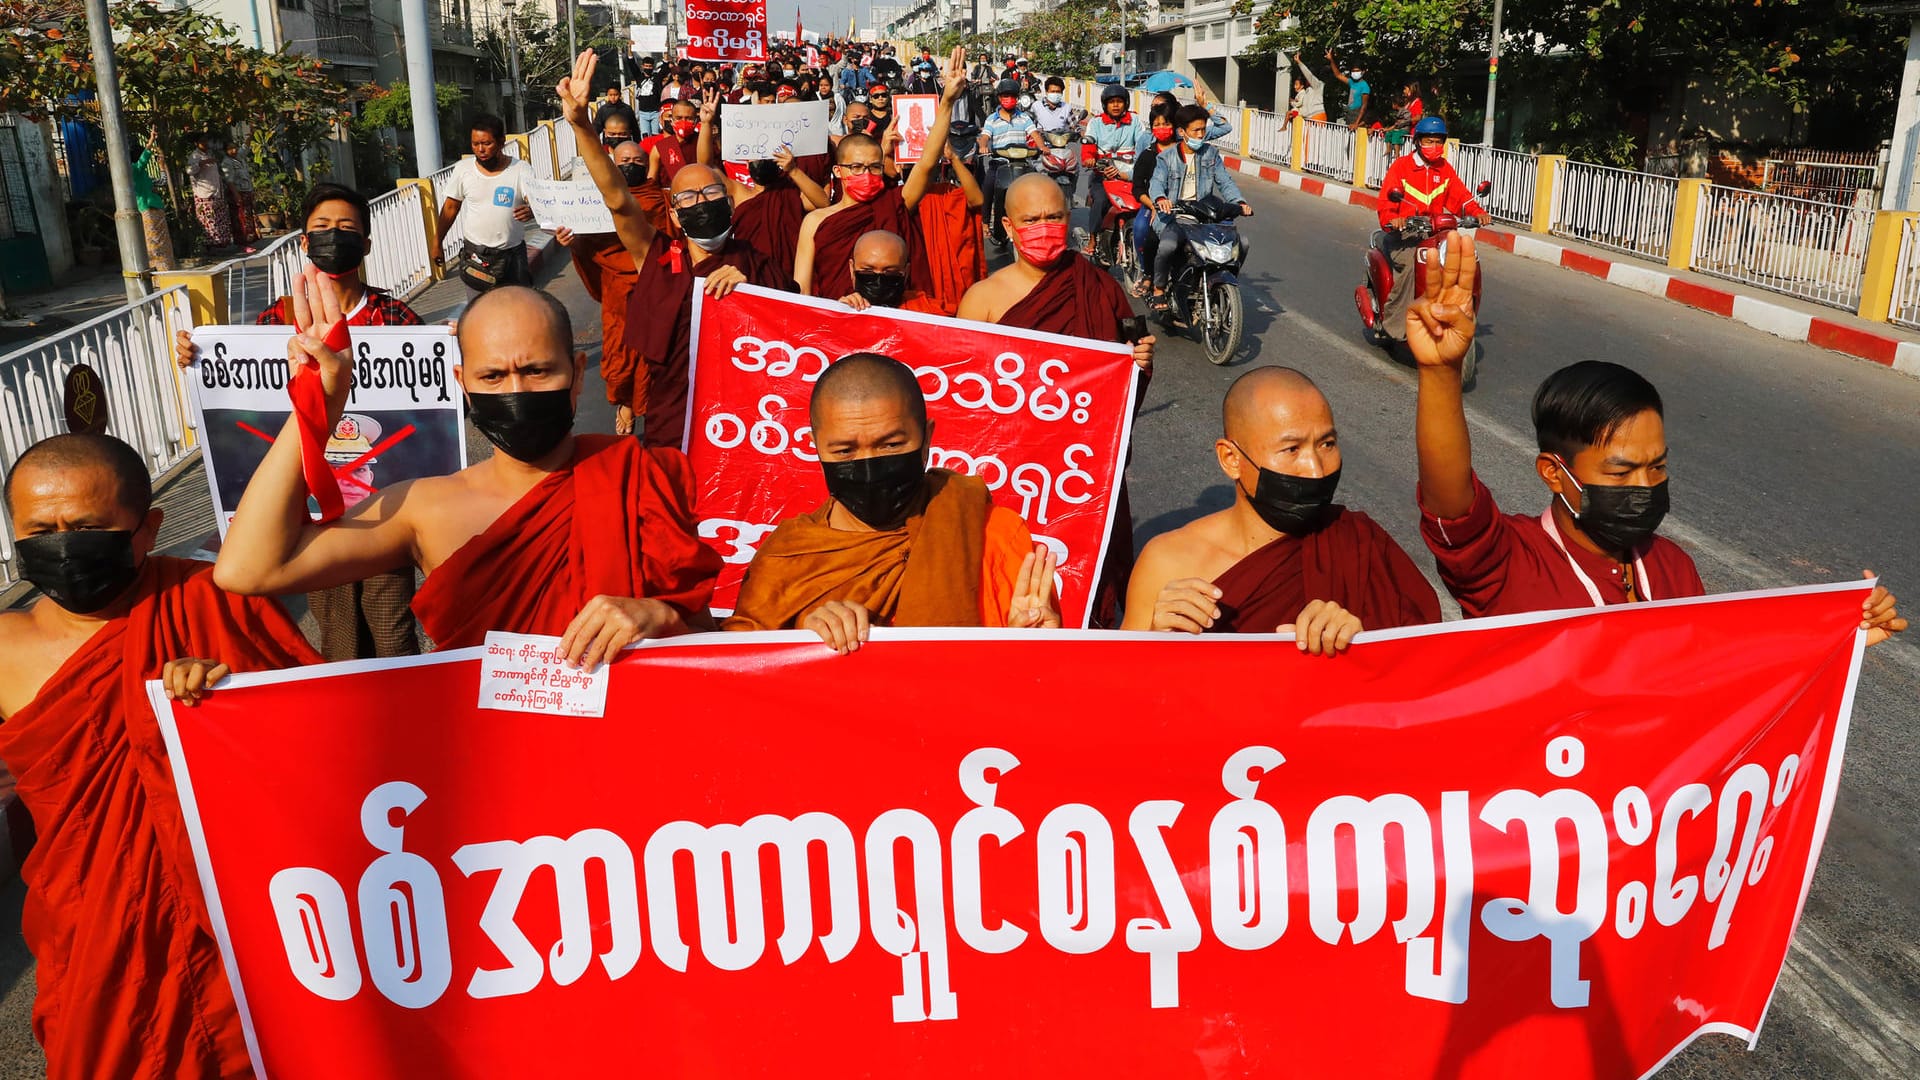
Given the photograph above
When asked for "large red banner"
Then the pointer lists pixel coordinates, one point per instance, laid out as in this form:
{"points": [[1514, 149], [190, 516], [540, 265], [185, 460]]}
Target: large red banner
{"points": [[1042, 419], [727, 31], [1564, 844]]}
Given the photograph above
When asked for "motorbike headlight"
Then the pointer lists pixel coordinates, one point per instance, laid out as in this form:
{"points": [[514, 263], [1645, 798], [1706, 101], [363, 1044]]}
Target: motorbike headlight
{"points": [[1216, 252]]}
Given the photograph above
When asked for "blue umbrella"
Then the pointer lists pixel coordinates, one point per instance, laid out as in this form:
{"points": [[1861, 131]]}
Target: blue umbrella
{"points": [[1166, 80]]}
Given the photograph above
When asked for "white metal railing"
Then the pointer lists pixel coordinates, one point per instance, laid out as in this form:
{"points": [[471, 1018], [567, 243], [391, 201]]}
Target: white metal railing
{"points": [[397, 258], [1905, 308], [566, 150], [450, 241], [540, 150], [1230, 142], [1619, 209], [1802, 247], [1329, 150], [255, 281], [1513, 175], [1380, 155], [1269, 137], [131, 349]]}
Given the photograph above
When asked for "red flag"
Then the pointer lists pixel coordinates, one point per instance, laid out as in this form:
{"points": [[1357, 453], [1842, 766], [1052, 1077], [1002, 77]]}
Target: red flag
{"points": [[796, 26]]}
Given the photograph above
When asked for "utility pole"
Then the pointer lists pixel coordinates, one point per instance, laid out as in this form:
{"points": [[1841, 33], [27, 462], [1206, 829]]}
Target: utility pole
{"points": [[126, 214], [573, 47], [426, 110], [513, 68], [1493, 76], [1123, 42]]}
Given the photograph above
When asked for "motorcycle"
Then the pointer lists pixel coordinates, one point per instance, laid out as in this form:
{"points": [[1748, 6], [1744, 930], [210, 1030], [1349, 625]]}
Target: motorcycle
{"points": [[1007, 164], [1388, 329], [1060, 160], [1113, 234], [1205, 285]]}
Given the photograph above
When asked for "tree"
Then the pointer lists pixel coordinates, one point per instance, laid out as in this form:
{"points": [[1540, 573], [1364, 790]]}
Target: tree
{"points": [[544, 59], [1065, 40]]}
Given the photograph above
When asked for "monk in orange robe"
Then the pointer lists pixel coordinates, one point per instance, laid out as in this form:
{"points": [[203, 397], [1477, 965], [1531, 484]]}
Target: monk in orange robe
{"points": [[1284, 557], [607, 272], [880, 277], [867, 203], [130, 983], [896, 544], [589, 538]]}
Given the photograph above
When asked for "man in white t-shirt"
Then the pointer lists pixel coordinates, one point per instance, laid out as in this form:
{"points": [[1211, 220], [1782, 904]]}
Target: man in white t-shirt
{"points": [[488, 193]]}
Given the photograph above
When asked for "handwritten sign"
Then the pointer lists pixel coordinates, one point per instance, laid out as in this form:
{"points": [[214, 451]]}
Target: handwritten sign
{"points": [[913, 119], [402, 420], [528, 673], [572, 204], [753, 132], [726, 30], [648, 39]]}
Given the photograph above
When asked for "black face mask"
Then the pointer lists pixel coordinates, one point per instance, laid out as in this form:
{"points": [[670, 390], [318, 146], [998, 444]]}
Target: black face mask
{"points": [[1295, 505], [707, 223], [83, 570], [634, 173], [886, 290], [880, 491], [336, 251], [1619, 517], [525, 425], [765, 172]]}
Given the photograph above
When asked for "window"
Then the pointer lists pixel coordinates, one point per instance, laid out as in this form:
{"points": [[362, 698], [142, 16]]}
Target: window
{"points": [[1219, 30], [1243, 28]]}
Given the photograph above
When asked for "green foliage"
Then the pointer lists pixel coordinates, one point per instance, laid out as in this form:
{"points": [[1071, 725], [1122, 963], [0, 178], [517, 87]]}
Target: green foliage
{"points": [[544, 59], [1065, 40], [393, 106]]}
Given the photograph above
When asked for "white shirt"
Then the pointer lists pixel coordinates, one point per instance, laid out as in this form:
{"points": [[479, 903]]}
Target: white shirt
{"points": [[487, 202]]}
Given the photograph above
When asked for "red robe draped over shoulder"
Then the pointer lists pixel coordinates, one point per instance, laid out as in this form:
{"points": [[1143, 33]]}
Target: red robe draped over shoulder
{"points": [[129, 978], [1351, 561], [617, 521], [833, 243], [660, 322], [770, 222], [950, 231]]}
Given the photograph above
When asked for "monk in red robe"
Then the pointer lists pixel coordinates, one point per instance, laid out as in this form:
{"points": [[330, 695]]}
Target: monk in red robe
{"points": [[1602, 436], [1284, 557], [896, 544], [678, 147], [867, 203], [590, 538], [950, 230], [607, 272], [769, 208], [880, 277], [130, 983]]}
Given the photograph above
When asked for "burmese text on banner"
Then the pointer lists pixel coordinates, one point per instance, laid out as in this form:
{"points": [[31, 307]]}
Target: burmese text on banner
{"points": [[1561, 845], [727, 31], [1042, 419]]}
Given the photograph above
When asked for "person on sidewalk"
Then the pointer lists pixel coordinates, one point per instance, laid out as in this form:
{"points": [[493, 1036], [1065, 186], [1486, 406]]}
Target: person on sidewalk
{"points": [[209, 194], [153, 207], [1359, 93], [239, 178], [1309, 92], [490, 189]]}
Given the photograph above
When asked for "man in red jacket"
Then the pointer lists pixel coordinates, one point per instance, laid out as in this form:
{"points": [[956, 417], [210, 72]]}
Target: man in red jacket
{"points": [[1427, 185]]}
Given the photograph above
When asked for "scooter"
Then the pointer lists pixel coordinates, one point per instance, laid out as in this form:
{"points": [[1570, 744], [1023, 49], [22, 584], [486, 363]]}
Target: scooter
{"points": [[1388, 329], [1008, 163], [1060, 160], [1205, 286], [1113, 234]]}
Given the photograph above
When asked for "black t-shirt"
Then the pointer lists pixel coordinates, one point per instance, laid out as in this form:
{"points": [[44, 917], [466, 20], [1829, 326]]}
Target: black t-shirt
{"points": [[646, 94], [1143, 172]]}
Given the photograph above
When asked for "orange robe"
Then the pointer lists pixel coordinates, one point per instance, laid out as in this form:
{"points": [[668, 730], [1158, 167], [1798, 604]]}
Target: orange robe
{"points": [[954, 563], [129, 978], [924, 303], [1351, 561], [951, 232], [833, 243], [617, 521], [607, 271]]}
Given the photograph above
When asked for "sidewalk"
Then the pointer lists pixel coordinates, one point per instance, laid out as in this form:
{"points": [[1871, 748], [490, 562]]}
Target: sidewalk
{"points": [[1775, 313], [34, 315]]}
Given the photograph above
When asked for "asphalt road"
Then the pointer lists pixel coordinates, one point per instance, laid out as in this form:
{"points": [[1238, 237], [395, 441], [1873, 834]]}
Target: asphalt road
{"points": [[1790, 465]]}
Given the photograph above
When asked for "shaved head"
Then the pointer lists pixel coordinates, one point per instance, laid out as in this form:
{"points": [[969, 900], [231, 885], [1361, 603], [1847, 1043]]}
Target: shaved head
{"points": [[1276, 418], [1259, 396], [868, 378], [868, 146], [66, 456], [514, 318], [1035, 195], [880, 250], [629, 153], [694, 176]]}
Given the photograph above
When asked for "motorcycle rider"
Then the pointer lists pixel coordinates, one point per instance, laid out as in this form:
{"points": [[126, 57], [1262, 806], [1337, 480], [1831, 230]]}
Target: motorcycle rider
{"points": [[1427, 185], [1010, 126], [1113, 132], [1051, 111], [1194, 170]]}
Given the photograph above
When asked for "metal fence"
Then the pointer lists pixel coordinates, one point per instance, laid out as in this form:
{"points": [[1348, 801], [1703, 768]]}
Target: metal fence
{"points": [[1905, 309], [451, 241], [397, 259], [1329, 150], [1513, 175], [1270, 137], [131, 349], [565, 149], [1619, 209], [1802, 247], [540, 150], [255, 281], [1380, 155]]}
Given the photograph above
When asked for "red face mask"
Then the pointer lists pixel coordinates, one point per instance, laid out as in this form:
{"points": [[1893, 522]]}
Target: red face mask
{"points": [[685, 128], [1009, 103], [1042, 243], [863, 187], [1163, 132], [1432, 154]]}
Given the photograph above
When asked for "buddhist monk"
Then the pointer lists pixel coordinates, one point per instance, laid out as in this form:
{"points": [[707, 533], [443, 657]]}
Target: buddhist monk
{"points": [[879, 270], [679, 145], [130, 983], [660, 319], [1602, 437], [607, 272], [867, 202], [1057, 291], [896, 544], [768, 210], [950, 228], [1284, 557], [590, 538]]}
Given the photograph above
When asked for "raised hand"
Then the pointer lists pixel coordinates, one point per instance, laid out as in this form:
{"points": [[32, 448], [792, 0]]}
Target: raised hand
{"points": [[709, 104], [783, 157], [1440, 324], [1324, 628], [1032, 606], [956, 82], [576, 89]]}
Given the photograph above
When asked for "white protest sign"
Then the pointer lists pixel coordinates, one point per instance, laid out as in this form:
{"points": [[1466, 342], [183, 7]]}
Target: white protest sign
{"points": [[402, 420], [571, 204], [528, 673], [753, 132], [648, 39]]}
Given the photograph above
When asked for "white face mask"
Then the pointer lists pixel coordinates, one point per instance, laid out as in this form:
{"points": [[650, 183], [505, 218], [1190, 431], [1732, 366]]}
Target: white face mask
{"points": [[1357, 74], [1055, 99]]}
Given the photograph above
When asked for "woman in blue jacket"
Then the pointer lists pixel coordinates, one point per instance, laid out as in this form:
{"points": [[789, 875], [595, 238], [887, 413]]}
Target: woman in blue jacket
{"points": [[1195, 172]]}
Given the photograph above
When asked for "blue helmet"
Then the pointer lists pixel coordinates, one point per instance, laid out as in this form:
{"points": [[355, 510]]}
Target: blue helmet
{"points": [[1430, 125]]}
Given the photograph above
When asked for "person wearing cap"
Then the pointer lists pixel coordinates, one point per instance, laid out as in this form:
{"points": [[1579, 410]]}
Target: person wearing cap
{"points": [[923, 81], [1116, 132], [646, 99]]}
